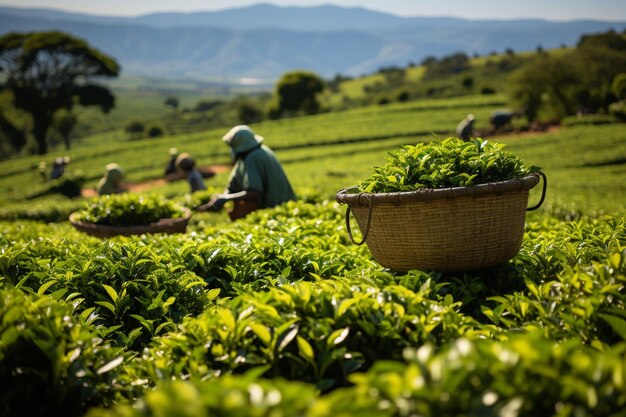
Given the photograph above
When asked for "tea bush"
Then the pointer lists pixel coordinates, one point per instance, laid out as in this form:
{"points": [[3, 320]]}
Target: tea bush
{"points": [[51, 361], [128, 210], [315, 332], [524, 376], [129, 290], [282, 295], [242, 396]]}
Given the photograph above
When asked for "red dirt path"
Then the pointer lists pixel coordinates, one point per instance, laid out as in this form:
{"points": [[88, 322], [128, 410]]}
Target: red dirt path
{"points": [[208, 171]]}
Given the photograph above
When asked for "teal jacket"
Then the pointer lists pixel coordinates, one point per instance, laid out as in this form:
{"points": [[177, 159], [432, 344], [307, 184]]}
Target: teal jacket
{"points": [[258, 169]]}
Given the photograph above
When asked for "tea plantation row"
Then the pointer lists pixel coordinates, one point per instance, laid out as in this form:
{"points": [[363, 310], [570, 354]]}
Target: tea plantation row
{"points": [[279, 315], [146, 159]]}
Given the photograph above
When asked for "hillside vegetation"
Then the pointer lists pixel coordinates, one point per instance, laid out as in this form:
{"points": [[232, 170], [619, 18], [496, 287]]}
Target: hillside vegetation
{"points": [[278, 313]]}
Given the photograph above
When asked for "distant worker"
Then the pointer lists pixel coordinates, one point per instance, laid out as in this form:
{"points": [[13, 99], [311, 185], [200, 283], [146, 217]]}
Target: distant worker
{"points": [[171, 165], [465, 129], [111, 183], [501, 118], [187, 165], [41, 169], [58, 167], [257, 180]]}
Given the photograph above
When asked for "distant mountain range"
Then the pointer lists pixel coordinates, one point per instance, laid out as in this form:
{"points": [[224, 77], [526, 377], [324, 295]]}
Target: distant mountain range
{"points": [[263, 41]]}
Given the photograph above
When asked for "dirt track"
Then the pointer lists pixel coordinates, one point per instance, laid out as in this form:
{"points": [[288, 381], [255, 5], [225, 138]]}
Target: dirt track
{"points": [[208, 172]]}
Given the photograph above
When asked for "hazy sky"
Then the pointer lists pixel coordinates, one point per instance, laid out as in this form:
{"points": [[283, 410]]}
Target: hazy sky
{"points": [[477, 9]]}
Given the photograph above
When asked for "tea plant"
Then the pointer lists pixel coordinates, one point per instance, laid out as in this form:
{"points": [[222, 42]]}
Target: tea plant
{"points": [[551, 251], [283, 295], [128, 210], [444, 163], [129, 290], [51, 361], [585, 302], [524, 376], [316, 332], [242, 396]]}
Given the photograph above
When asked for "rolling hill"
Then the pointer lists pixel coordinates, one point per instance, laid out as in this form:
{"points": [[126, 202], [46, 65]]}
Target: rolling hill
{"points": [[261, 42]]}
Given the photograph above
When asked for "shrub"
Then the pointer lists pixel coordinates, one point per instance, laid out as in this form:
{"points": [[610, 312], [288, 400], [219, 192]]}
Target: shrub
{"points": [[131, 291], [155, 132], [525, 376], [134, 127], [226, 396], [50, 362], [128, 210], [69, 185], [403, 96], [618, 109], [315, 332]]}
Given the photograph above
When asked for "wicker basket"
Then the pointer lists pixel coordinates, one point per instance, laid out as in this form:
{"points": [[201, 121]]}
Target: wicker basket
{"points": [[171, 225], [447, 230]]}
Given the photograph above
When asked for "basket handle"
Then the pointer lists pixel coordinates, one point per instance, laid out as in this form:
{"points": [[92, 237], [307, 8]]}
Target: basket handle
{"points": [[543, 193], [370, 205]]}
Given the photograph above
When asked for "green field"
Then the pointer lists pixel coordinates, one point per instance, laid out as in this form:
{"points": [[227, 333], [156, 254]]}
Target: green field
{"points": [[279, 314], [329, 151]]}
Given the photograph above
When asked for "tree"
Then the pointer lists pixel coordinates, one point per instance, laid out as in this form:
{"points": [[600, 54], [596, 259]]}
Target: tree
{"points": [[206, 105], [296, 92], [395, 77], [334, 83], [155, 132], [449, 65], [566, 83], [429, 61], [172, 102], [609, 39], [598, 66], [13, 135], [468, 82], [249, 112], [134, 128], [64, 122], [49, 71], [618, 86], [545, 85]]}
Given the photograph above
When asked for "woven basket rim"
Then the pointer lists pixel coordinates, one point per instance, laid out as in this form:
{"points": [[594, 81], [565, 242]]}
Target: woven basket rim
{"points": [[135, 229], [428, 194]]}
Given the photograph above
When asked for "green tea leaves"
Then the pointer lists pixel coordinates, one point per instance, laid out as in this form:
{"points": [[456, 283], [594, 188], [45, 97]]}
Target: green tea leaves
{"points": [[128, 209], [444, 163], [338, 336], [111, 365]]}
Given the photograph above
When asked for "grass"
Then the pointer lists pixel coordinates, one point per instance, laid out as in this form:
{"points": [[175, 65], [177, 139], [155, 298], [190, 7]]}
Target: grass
{"points": [[583, 166]]}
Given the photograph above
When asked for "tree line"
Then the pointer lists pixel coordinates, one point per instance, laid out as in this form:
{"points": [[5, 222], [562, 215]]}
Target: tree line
{"points": [[586, 79]]}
